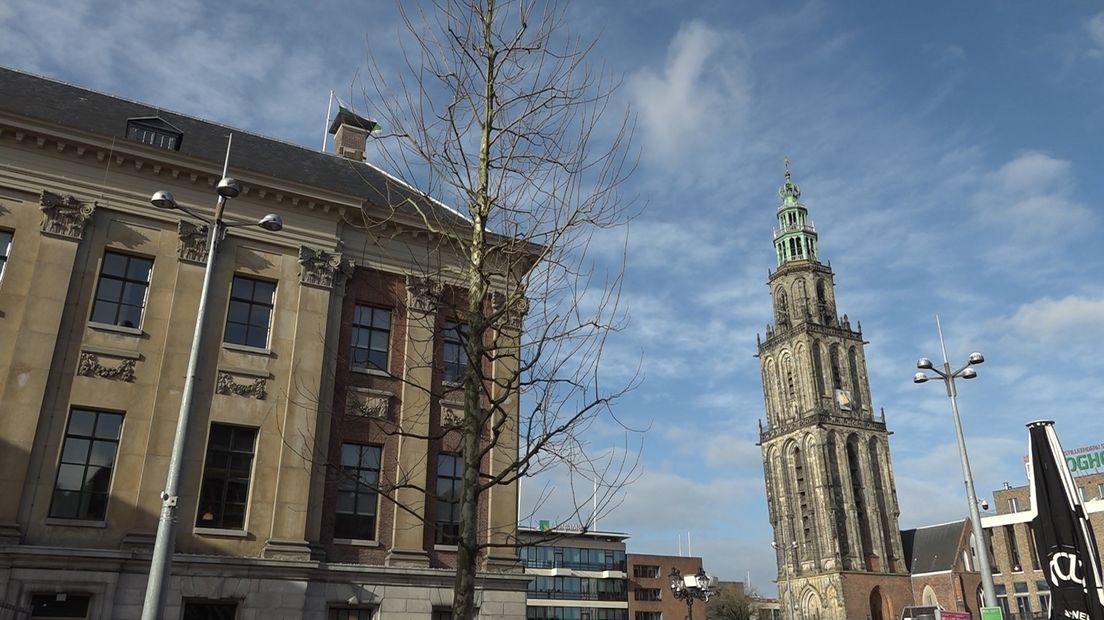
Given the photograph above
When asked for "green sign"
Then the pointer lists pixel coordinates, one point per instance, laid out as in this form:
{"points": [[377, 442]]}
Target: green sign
{"points": [[991, 613], [1081, 462]]}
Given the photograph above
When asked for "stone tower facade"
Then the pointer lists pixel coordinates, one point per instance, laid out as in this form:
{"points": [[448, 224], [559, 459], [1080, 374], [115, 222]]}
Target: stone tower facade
{"points": [[830, 490]]}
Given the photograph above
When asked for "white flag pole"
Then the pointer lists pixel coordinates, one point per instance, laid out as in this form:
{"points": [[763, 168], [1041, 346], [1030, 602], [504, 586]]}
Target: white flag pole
{"points": [[326, 125]]}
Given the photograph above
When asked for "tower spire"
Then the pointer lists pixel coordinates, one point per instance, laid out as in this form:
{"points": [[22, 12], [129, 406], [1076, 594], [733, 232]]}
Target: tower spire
{"points": [[795, 239]]}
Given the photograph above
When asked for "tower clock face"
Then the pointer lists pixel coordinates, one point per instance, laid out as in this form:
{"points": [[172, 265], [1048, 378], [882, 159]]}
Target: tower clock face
{"points": [[843, 399]]}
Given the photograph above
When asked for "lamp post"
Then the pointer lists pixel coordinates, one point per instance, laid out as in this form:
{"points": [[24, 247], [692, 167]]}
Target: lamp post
{"points": [[948, 376], [789, 590], [161, 561], [691, 587]]}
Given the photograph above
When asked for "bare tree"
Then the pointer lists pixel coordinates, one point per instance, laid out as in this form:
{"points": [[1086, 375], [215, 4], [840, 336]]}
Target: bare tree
{"points": [[499, 114]]}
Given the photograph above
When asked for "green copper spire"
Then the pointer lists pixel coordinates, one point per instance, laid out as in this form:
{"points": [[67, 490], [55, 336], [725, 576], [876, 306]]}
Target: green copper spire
{"points": [[795, 238]]}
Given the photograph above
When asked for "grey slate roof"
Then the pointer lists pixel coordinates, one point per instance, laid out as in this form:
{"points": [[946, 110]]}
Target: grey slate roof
{"points": [[78, 108], [933, 548]]}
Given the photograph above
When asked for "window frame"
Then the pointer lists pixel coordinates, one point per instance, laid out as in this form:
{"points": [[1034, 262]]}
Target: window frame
{"points": [[83, 502], [370, 330], [202, 602], [250, 303], [218, 519], [125, 281], [447, 530], [454, 354], [373, 490], [346, 612]]}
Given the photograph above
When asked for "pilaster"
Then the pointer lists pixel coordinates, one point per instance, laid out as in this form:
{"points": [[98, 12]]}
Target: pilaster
{"points": [[408, 548]]}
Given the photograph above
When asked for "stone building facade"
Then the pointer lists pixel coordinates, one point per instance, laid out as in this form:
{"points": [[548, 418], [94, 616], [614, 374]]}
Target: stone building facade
{"points": [[830, 490], [318, 349]]}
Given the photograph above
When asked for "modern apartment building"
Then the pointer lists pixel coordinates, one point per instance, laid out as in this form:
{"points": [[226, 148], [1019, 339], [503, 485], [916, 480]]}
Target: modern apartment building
{"points": [[575, 575], [320, 473]]}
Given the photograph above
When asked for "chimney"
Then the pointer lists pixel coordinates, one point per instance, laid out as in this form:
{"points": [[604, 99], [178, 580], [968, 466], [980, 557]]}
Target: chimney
{"points": [[350, 132]]}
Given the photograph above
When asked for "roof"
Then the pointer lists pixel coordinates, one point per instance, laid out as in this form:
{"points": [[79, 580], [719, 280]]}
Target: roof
{"points": [[933, 548], [77, 108], [572, 533]]}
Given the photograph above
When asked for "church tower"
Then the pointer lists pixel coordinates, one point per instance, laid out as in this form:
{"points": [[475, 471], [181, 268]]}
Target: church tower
{"points": [[830, 490]]}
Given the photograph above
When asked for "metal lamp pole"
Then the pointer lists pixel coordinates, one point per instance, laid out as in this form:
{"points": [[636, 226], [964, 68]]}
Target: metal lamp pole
{"points": [[789, 590], [160, 564], [966, 372], [690, 587]]}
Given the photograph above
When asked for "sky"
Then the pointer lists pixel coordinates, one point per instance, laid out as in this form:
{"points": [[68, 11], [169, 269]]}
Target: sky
{"points": [[948, 153]]}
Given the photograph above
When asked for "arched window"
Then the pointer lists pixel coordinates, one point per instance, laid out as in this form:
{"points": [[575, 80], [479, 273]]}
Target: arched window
{"points": [[818, 371], [836, 489], [881, 498], [781, 310], [853, 370], [834, 363], [860, 507]]}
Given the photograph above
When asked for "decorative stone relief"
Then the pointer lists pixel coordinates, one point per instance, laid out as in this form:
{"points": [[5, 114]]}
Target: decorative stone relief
{"points": [[64, 215], [193, 242], [424, 292], [515, 314], [367, 403], [227, 385], [452, 415], [320, 267], [90, 367]]}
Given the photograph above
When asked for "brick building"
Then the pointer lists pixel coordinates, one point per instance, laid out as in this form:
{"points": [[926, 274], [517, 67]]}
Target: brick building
{"points": [[650, 596], [943, 566], [1022, 589]]}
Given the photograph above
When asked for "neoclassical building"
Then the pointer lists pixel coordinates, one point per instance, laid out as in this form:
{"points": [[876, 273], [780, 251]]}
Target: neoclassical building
{"points": [[830, 490], [323, 376]]}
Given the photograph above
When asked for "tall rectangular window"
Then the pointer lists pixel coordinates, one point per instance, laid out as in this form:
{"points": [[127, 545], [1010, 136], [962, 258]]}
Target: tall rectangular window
{"points": [[450, 480], [250, 312], [1013, 549], [371, 336], [5, 250], [121, 290], [87, 459], [455, 356], [357, 492], [1013, 504], [225, 491]]}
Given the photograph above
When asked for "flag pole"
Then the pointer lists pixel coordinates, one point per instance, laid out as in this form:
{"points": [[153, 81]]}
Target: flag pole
{"points": [[326, 125]]}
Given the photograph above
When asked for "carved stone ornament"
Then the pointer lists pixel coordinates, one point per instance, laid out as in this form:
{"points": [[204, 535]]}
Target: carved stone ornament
{"points": [[193, 242], [365, 405], [424, 292], [64, 215], [452, 416], [515, 314], [320, 267], [227, 385], [90, 367]]}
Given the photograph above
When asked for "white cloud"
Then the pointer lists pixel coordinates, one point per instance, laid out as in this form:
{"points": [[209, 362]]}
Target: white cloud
{"points": [[1095, 29], [703, 87], [1032, 198], [1048, 319]]}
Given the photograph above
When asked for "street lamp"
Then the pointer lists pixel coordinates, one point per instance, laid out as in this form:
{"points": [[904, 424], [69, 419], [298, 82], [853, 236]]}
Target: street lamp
{"points": [[161, 561], [789, 590], [691, 587], [948, 377]]}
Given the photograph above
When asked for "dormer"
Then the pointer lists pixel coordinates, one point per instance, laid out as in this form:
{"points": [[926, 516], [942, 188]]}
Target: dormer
{"points": [[154, 131]]}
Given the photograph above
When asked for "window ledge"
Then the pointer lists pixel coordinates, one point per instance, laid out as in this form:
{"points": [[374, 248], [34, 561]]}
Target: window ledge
{"points": [[445, 548], [119, 329], [356, 542], [242, 348], [62, 522], [375, 372], [216, 531]]}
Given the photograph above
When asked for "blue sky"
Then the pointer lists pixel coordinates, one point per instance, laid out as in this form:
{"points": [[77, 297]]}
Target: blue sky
{"points": [[949, 154]]}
